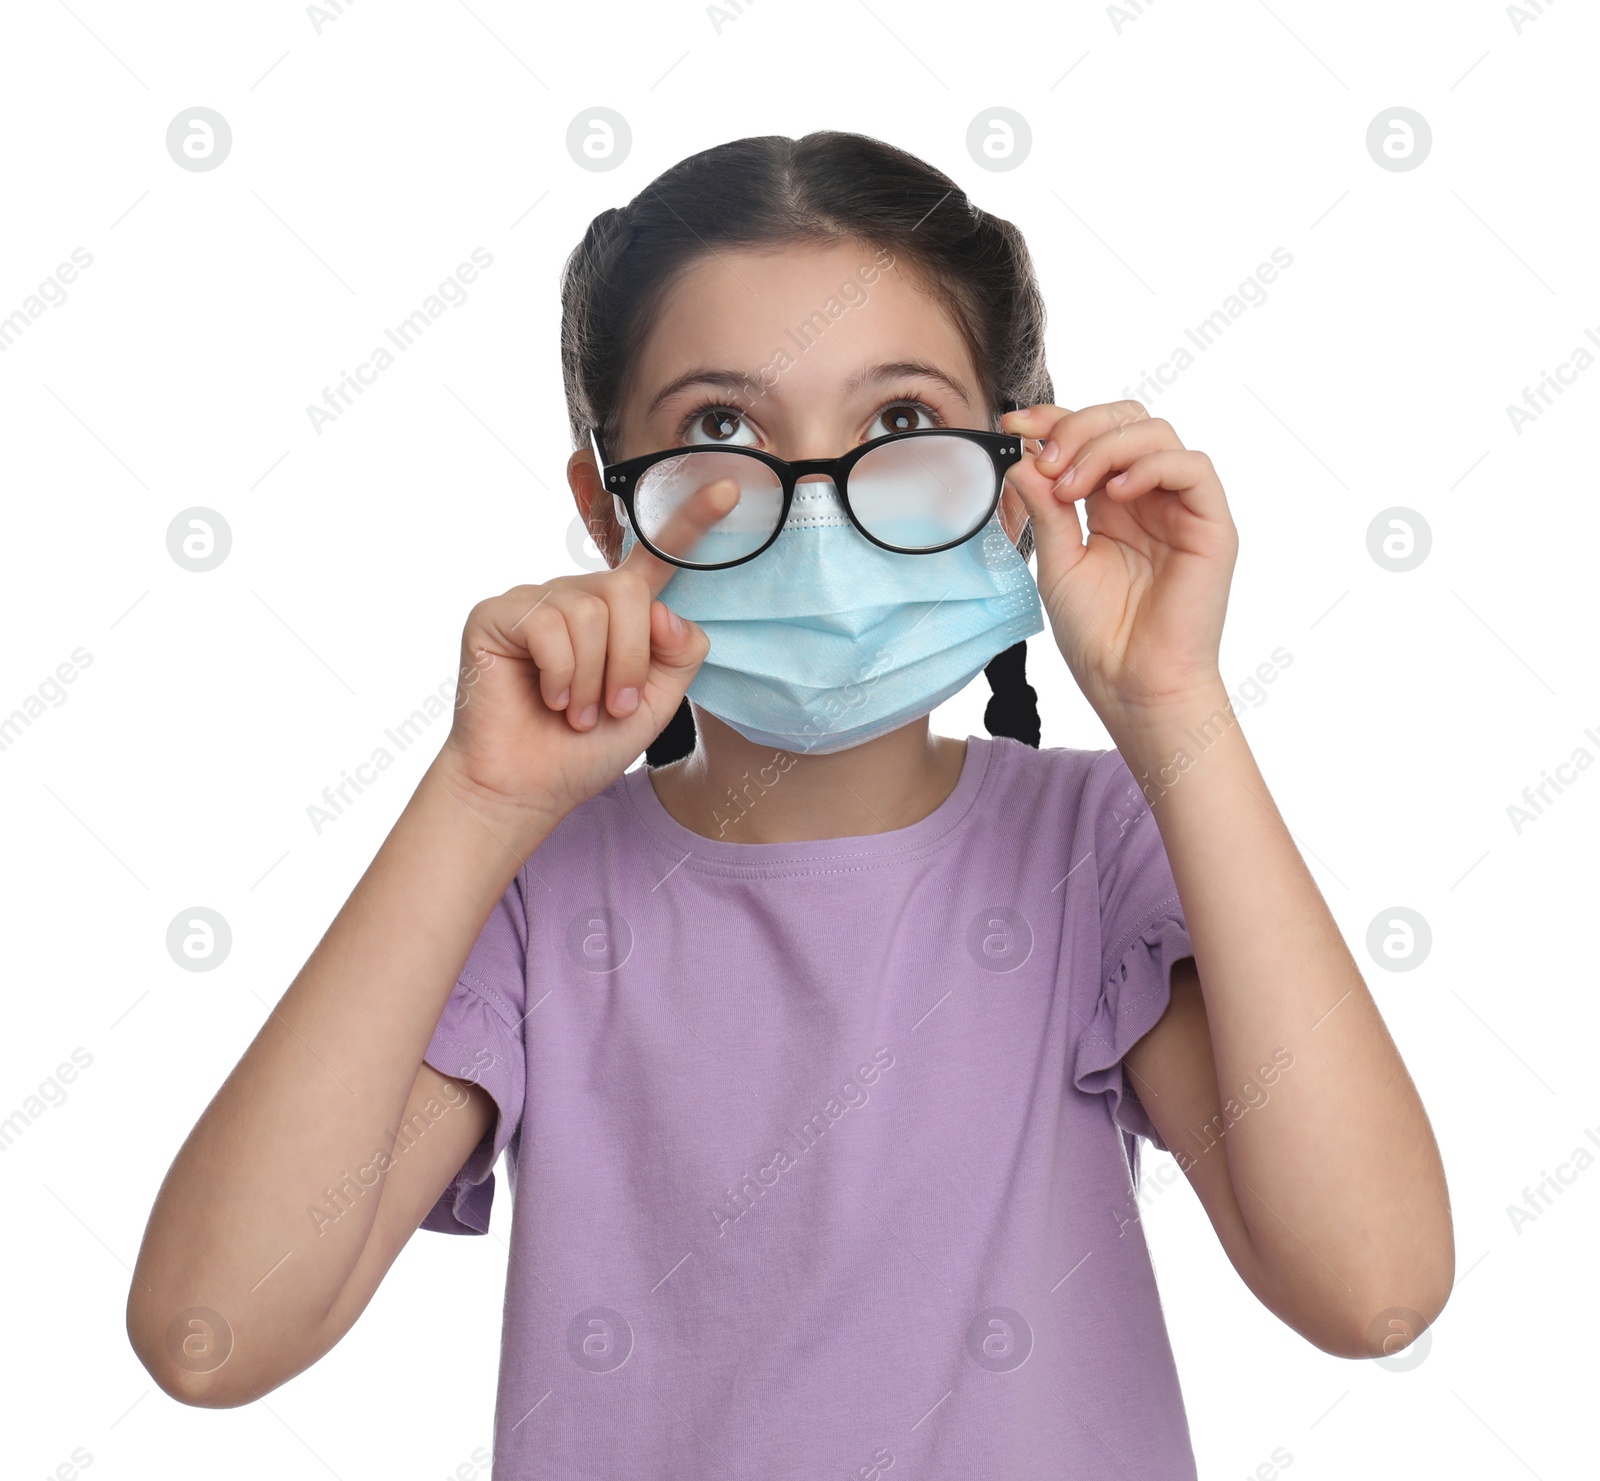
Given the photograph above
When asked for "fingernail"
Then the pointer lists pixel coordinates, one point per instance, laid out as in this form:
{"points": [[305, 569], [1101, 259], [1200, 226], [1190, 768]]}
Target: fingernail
{"points": [[590, 714], [1067, 477], [674, 621], [628, 700], [562, 698], [1052, 451]]}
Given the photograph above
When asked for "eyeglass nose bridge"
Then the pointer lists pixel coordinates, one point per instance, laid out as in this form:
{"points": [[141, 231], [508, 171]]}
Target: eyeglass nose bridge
{"points": [[831, 468]]}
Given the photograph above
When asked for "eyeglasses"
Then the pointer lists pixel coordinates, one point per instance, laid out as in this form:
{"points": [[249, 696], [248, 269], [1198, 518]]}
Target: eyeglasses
{"points": [[705, 508]]}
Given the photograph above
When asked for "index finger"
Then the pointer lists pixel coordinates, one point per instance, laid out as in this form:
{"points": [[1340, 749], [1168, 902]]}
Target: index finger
{"points": [[1070, 430], [693, 518], [1033, 421]]}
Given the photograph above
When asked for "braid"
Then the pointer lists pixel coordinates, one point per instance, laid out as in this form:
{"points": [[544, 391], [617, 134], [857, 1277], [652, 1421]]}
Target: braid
{"points": [[675, 742], [1014, 710]]}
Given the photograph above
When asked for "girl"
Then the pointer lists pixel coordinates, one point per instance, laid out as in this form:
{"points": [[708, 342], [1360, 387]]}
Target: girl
{"points": [[822, 1046]]}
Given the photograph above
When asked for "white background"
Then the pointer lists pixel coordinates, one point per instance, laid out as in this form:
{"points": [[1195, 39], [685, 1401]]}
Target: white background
{"points": [[1172, 152]]}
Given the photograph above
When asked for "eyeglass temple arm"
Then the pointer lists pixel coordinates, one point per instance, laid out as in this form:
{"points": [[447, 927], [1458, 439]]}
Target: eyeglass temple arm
{"points": [[1008, 406], [618, 508]]}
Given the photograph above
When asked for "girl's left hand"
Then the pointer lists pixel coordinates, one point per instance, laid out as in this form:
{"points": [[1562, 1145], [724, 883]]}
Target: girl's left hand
{"points": [[1137, 608]]}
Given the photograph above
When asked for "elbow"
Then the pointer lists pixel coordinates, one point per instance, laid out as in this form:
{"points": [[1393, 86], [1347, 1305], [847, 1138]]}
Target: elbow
{"points": [[1390, 1320], [1382, 1312], [188, 1358]]}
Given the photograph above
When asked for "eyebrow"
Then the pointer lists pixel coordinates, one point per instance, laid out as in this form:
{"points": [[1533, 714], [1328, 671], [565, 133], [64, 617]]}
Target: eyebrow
{"points": [[739, 380]]}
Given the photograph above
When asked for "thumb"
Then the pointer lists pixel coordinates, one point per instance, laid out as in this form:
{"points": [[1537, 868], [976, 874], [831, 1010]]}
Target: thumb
{"points": [[677, 649], [1057, 534]]}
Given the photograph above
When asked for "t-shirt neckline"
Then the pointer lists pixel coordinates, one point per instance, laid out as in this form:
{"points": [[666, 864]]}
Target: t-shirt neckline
{"points": [[762, 857]]}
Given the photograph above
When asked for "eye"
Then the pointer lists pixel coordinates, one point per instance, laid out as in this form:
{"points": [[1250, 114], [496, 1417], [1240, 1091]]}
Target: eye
{"points": [[903, 416], [713, 422]]}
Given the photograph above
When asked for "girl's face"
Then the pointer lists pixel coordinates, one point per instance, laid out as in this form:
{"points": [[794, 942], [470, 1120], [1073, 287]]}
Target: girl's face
{"points": [[802, 351]]}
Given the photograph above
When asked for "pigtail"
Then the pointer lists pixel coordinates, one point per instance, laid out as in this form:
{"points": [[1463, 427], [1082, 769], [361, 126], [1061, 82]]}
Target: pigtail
{"points": [[1014, 710], [676, 741]]}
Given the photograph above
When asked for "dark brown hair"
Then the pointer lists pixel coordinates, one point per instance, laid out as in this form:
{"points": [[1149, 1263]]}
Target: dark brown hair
{"points": [[828, 186]]}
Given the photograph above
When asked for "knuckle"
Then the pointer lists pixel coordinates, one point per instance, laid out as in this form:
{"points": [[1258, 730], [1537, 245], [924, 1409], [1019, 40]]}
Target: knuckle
{"points": [[630, 584], [542, 621], [589, 609]]}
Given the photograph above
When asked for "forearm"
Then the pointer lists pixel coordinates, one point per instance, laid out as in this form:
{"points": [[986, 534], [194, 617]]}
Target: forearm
{"points": [[1334, 1167], [319, 1092]]}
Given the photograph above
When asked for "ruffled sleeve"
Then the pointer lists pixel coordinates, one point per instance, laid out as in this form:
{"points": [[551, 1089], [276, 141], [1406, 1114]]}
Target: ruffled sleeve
{"points": [[479, 1039], [1142, 933]]}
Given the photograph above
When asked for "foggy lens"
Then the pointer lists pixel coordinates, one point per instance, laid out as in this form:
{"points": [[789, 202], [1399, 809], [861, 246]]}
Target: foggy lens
{"points": [[920, 492], [679, 513]]}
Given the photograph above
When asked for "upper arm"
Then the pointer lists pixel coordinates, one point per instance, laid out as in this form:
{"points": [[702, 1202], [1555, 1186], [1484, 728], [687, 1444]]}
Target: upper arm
{"points": [[419, 1172], [1173, 1071]]}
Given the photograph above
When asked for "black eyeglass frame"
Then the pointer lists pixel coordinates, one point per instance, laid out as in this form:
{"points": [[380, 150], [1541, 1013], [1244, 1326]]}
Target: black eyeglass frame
{"points": [[622, 479]]}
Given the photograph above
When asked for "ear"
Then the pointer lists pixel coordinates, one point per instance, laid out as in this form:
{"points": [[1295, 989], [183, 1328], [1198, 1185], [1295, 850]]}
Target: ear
{"points": [[594, 507]]}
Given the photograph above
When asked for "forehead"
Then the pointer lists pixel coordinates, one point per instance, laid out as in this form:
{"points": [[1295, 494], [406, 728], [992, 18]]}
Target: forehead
{"points": [[801, 319]]}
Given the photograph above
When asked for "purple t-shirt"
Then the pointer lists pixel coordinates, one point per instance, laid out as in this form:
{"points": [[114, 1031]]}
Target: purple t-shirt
{"points": [[822, 1155]]}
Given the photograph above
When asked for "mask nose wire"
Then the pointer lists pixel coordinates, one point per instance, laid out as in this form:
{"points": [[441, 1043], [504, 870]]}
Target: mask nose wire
{"points": [[814, 486]]}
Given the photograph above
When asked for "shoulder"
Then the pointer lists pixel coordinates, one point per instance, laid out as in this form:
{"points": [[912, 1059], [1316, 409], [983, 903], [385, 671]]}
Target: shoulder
{"points": [[1040, 774]]}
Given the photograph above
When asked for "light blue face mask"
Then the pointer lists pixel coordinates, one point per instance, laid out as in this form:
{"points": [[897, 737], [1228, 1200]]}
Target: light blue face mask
{"points": [[825, 640]]}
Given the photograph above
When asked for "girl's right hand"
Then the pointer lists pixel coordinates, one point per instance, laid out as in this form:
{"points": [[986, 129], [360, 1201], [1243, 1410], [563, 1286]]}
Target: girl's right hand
{"points": [[564, 684]]}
